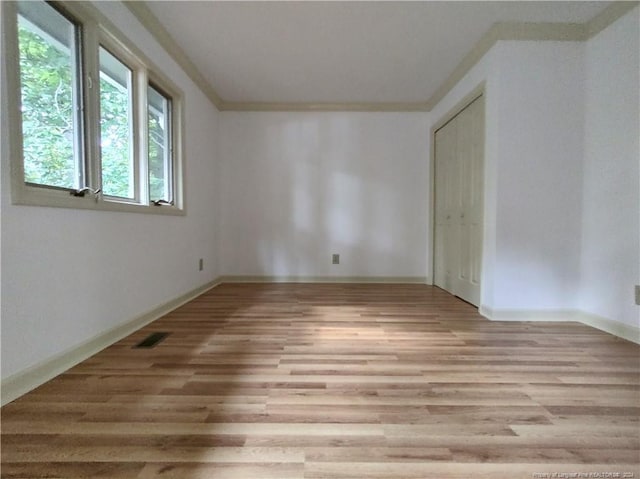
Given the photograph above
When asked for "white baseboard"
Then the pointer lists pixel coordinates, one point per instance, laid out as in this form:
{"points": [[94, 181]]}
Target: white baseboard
{"points": [[622, 330], [24, 381], [324, 279], [529, 315]]}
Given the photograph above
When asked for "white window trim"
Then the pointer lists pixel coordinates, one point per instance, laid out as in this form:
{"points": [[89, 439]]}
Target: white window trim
{"points": [[138, 125], [97, 29]]}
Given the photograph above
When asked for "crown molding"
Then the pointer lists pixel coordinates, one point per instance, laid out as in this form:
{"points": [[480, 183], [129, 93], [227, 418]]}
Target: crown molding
{"points": [[148, 20], [363, 107], [567, 32], [503, 31], [558, 32], [607, 16]]}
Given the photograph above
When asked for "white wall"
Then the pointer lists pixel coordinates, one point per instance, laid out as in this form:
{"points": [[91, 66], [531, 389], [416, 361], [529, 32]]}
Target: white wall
{"points": [[297, 187], [562, 154], [539, 174], [482, 72], [69, 275], [610, 217], [533, 154], [4, 150]]}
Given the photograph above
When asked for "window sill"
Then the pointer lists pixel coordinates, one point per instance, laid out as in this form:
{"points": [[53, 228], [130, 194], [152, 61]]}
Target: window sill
{"points": [[35, 196]]}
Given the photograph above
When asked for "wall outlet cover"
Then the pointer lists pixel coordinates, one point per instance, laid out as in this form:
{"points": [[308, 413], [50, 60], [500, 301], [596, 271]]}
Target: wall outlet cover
{"points": [[335, 258]]}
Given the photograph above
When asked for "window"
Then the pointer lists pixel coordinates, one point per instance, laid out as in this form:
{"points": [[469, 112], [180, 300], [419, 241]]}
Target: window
{"points": [[93, 123], [50, 96], [116, 127], [160, 148]]}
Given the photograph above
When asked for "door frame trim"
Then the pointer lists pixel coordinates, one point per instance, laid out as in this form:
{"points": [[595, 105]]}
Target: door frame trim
{"points": [[473, 95]]}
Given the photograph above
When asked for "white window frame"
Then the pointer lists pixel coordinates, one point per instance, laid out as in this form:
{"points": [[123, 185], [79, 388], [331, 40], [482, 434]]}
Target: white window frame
{"points": [[96, 30], [156, 83], [138, 100]]}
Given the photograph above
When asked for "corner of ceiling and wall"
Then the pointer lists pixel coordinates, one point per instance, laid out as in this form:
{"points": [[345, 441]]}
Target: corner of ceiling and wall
{"points": [[572, 32]]}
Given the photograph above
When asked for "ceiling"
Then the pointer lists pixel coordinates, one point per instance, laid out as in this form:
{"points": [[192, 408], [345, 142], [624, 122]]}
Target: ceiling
{"points": [[340, 52]]}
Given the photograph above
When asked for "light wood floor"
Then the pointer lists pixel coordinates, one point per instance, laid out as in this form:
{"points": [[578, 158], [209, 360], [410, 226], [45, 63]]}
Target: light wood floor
{"points": [[336, 381]]}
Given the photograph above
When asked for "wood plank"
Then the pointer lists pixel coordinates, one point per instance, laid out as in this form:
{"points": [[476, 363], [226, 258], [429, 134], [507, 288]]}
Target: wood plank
{"points": [[335, 381]]}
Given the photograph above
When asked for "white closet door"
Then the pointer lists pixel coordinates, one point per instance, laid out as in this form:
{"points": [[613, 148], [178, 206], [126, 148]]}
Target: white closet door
{"points": [[445, 206], [470, 155], [459, 149]]}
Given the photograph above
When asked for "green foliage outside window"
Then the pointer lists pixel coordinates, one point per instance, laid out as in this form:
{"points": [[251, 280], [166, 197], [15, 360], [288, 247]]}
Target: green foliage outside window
{"points": [[46, 74], [157, 145], [115, 139], [47, 112]]}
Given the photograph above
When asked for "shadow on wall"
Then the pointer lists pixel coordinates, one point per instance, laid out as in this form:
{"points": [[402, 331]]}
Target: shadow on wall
{"points": [[310, 185]]}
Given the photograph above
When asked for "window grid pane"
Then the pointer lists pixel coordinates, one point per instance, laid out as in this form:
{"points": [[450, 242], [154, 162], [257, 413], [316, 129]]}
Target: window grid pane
{"points": [[160, 155], [116, 127], [50, 96]]}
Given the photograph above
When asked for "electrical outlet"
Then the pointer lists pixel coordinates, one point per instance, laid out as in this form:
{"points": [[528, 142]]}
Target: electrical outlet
{"points": [[638, 294], [201, 264], [335, 258]]}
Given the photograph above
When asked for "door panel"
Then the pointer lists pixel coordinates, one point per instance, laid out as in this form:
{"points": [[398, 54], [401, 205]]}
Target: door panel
{"points": [[459, 178], [462, 157], [446, 178]]}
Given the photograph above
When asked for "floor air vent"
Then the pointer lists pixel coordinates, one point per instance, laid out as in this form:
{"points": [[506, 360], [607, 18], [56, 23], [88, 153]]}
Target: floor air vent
{"points": [[151, 341]]}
